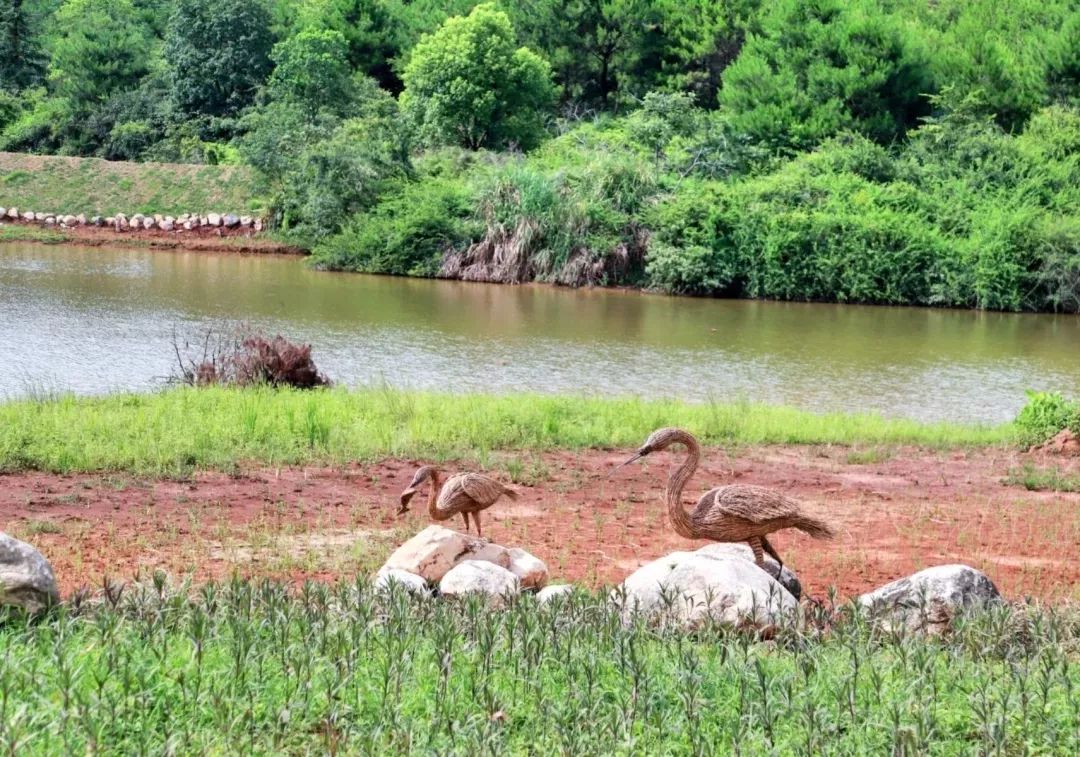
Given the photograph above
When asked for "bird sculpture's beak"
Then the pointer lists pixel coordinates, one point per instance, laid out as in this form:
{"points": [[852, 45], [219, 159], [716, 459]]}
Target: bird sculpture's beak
{"points": [[633, 459], [405, 497]]}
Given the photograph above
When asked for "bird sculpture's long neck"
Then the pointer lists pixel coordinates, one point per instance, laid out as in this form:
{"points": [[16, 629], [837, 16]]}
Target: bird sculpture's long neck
{"points": [[433, 496], [680, 519]]}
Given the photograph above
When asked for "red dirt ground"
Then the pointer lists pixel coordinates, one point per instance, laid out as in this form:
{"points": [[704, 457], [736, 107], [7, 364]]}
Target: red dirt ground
{"points": [[911, 510]]}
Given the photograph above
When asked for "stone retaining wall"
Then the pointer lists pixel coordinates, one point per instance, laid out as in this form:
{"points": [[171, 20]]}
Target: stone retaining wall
{"points": [[138, 221]]}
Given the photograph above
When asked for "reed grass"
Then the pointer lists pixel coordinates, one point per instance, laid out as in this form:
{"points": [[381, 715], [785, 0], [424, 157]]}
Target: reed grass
{"points": [[180, 429], [252, 667]]}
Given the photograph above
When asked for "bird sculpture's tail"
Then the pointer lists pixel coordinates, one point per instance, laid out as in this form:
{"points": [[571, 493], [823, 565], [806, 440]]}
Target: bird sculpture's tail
{"points": [[818, 529]]}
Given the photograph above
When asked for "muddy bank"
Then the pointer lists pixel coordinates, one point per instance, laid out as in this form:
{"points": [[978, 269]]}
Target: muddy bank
{"points": [[908, 511], [207, 239]]}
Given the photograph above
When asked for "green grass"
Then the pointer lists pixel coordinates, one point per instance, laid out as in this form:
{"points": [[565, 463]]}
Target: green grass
{"points": [[13, 233], [180, 429], [248, 667], [1037, 479], [99, 187]]}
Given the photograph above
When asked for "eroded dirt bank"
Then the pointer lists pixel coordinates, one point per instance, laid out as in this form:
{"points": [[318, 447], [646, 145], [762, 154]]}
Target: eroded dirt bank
{"points": [[907, 509]]}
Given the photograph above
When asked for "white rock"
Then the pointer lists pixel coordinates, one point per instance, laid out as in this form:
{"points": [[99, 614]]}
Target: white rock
{"points": [[81, 219], [28, 215], [3, 212], [435, 550], [549, 593], [787, 578], [257, 225], [245, 221], [50, 220], [167, 219], [411, 582], [930, 599], [158, 218], [26, 578], [187, 226], [69, 220], [480, 577], [13, 214], [167, 225], [39, 216], [530, 570], [692, 588], [231, 221], [137, 218], [148, 223], [213, 219]]}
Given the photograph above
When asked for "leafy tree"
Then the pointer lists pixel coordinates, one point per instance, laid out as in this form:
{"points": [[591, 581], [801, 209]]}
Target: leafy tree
{"points": [[466, 84], [312, 71], [593, 44], [821, 67], [218, 53], [98, 47], [22, 61]]}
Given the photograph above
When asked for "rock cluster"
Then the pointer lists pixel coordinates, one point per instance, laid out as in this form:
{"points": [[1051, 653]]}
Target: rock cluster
{"points": [[138, 221], [459, 564]]}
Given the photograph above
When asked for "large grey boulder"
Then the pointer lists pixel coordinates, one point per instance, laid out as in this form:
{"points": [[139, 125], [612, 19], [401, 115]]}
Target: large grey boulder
{"points": [[530, 570], [480, 577], [26, 578], [930, 599], [785, 576], [692, 589], [435, 550]]}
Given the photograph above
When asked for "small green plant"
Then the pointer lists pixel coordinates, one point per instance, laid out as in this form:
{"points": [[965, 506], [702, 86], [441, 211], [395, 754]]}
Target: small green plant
{"points": [[1045, 414], [869, 456], [1038, 479]]}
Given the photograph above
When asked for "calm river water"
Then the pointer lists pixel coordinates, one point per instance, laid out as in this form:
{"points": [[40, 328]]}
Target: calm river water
{"points": [[94, 320]]}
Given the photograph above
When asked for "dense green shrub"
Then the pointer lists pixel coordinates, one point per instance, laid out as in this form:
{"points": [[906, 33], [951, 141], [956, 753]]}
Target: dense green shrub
{"points": [[406, 233], [1044, 415]]}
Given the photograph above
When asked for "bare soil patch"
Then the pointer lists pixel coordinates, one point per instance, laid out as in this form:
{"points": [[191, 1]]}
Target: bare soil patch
{"points": [[203, 239], [915, 509]]}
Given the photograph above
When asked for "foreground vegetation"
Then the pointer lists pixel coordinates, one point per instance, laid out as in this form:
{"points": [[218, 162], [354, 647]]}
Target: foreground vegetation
{"points": [[252, 667], [221, 428], [98, 187], [885, 151]]}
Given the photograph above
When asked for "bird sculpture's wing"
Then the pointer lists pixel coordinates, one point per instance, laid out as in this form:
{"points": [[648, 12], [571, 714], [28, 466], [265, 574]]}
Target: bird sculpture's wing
{"points": [[481, 488], [756, 504]]}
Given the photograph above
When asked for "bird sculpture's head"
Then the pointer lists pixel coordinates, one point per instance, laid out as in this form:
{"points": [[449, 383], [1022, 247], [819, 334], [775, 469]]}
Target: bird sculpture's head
{"points": [[421, 475], [658, 440]]}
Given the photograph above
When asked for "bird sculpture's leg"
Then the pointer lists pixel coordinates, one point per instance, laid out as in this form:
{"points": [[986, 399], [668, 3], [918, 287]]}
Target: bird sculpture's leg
{"points": [[465, 517], [772, 552], [476, 517], [755, 544]]}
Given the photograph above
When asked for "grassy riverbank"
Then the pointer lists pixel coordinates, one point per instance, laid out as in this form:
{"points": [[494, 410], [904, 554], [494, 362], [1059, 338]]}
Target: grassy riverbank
{"points": [[218, 428], [100, 187], [251, 667]]}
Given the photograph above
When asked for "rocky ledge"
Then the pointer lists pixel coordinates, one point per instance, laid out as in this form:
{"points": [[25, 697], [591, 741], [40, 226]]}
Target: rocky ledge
{"points": [[137, 221]]}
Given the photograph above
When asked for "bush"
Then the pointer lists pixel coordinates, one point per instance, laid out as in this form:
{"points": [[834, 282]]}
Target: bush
{"points": [[248, 357], [1044, 415], [406, 233]]}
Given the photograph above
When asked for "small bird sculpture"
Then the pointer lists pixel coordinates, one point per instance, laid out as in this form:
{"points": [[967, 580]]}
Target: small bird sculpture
{"points": [[464, 493], [737, 512]]}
